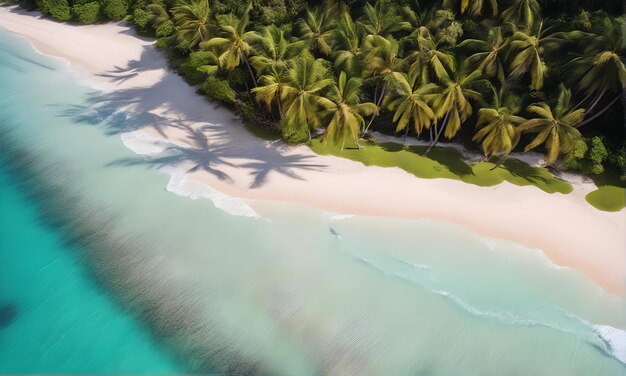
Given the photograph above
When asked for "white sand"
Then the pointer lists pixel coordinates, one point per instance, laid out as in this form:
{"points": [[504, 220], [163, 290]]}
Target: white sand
{"points": [[569, 230]]}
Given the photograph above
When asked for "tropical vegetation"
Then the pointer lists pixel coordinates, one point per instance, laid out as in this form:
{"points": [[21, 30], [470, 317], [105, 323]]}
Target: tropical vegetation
{"points": [[497, 75]]}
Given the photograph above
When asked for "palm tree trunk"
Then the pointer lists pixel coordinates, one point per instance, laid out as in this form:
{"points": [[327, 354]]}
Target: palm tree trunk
{"points": [[595, 102], [310, 137], [376, 92], [500, 161], [443, 125], [245, 59], [581, 102], [406, 132], [382, 95], [280, 107], [377, 101], [601, 111]]}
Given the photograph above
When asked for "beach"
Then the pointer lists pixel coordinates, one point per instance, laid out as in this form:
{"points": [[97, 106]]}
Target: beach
{"points": [[130, 70]]}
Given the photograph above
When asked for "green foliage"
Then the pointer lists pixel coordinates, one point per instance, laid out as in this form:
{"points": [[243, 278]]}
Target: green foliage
{"points": [[574, 159], [87, 13], [218, 90], [618, 159], [430, 69], [58, 9], [238, 79], [189, 69], [141, 19], [597, 151], [114, 9], [294, 135], [166, 30]]}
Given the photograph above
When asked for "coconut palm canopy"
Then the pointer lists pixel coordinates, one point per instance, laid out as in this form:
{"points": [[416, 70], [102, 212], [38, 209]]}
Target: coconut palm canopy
{"points": [[344, 68]]}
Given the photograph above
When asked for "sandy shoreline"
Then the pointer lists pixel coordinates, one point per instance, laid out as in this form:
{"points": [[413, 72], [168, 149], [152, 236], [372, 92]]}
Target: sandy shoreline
{"points": [[570, 231]]}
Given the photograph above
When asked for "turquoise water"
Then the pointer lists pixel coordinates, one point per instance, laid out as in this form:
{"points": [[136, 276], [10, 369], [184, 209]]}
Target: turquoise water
{"points": [[120, 275], [61, 322]]}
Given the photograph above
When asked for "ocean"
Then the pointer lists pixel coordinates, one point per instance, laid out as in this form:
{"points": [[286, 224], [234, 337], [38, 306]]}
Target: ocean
{"points": [[107, 265]]}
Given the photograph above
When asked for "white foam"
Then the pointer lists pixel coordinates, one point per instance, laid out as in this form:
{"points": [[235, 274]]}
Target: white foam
{"points": [[142, 143], [615, 338], [181, 185], [340, 217]]}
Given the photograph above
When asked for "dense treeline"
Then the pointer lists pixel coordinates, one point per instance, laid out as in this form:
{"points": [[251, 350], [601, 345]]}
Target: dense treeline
{"points": [[512, 74]]}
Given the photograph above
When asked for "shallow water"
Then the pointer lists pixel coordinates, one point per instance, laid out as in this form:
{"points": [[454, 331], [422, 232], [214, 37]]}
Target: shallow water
{"points": [[145, 276]]}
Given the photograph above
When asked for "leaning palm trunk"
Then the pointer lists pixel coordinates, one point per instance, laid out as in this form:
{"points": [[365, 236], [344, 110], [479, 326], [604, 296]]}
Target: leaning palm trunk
{"points": [[406, 133], [245, 59], [500, 162], [378, 102], [596, 100], [443, 125], [382, 95], [603, 110]]}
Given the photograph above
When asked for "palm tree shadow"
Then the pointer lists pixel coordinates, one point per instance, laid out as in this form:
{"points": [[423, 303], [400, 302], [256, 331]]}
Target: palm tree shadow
{"points": [[200, 155], [524, 170], [451, 159], [212, 145], [285, 165]]}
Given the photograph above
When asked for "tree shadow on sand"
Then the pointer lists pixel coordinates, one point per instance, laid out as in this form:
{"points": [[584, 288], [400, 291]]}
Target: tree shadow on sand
{"points": [[200, 154], [286, 165], [215, 137]]}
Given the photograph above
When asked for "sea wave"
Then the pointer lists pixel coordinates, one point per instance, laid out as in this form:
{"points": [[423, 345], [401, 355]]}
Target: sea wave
{"points": [[142, 143], [616, 340], [181, 185], [609, 340]]}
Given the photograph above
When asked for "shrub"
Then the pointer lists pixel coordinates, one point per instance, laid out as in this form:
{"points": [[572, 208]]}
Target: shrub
{"points": [[167, 42], [294, 135], [88, 13], [58, 9], [218, 90], [189, 69], [238, 79], [597, 152], [165, 30], [115, 9], [573, 160], [141, 19]]}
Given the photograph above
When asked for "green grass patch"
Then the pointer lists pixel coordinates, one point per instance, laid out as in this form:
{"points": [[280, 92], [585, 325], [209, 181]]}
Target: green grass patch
{"points": [[608, 198], [445, 163]]}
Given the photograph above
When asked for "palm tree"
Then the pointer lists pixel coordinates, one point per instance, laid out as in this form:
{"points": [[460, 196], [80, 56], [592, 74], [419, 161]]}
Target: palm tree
{"points": [[555, 128], [317, 28], [302, 96], [271, 89], [158, 15], [191, 20], [408, 100], [273, 50], [452, 103], [526, 54], [347, 40], [522, 12], [497, 128], [599, 68], [234, 45], [490, 56], [432, 58], [381, 60], [346, 111], [383, 18], [475, 7]]}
